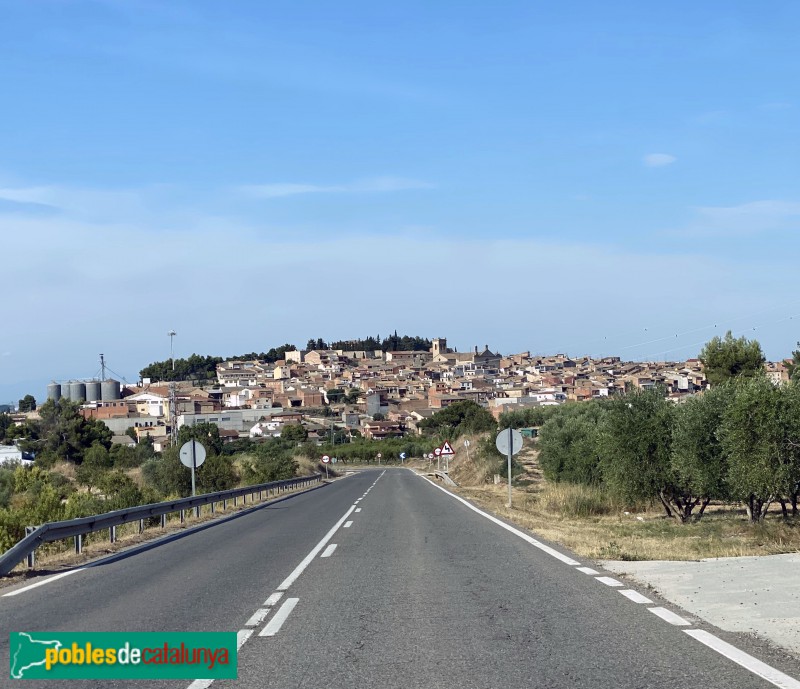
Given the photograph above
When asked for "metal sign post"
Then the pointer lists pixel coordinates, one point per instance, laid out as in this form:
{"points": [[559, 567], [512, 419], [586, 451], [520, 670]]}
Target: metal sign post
{"points": [[509, 443], [325, 460], [193, 454]]}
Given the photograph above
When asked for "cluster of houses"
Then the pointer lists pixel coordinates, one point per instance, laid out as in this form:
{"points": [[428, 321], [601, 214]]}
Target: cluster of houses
{"points": [[378, 394]]}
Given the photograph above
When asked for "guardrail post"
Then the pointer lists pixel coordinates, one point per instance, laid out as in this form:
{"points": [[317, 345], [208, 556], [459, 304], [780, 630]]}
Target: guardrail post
{"points": [[112, 534], [141, 526], [183, 516], [212, 508], [235, 501], [163, 521], [32, 556], [224, 504], [78, 544], [197, 512], [259, 495]]}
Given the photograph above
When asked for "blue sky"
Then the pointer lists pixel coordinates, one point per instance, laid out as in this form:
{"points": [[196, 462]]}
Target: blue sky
{"points": [[598, 178]]}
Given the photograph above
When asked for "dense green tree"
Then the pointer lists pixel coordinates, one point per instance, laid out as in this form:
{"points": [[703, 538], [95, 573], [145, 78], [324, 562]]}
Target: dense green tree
{"points": [[6, 422], [216, 473], [699, 462], [569, 444], [459, 418], [294, 432], [731, 357], [167, 476], [335, 395], [793, 366], [27, 403], [205, 433], [62, 433], [760, 433], [96, 462], [636, 445]]}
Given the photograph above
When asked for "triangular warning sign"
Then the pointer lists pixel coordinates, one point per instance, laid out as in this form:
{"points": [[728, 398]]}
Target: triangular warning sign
{"points": [[447, 448]]}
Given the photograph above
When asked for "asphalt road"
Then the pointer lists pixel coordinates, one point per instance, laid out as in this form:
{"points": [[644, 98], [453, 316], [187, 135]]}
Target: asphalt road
{"points": [[419, 591]]}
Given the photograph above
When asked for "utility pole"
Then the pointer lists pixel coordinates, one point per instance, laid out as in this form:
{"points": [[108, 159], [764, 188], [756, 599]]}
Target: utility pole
{"points": [[173, 394], [171, 334]]}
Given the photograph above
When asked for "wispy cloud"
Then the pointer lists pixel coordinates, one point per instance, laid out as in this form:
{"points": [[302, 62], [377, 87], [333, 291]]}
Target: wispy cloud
{"points": [[658, 159], [752, 218], [364, 186]]}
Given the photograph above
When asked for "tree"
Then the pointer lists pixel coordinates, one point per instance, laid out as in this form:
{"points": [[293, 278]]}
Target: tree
{"points": [[63, 433], [378, 417], [699, 462], [294, 432], [205, 433], [6, 422], [458, 418], [761, 433], [96, 462], [793, 366], [636, 446], [569, 444], [731, 357], [27, 404]]}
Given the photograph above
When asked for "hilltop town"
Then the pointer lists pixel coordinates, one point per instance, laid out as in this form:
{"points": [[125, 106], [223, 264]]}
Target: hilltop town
{"points": [[378, 394]]}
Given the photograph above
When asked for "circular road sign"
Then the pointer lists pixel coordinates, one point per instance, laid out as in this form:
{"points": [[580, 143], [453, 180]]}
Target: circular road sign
{"points": [[430, 455], [379, 455], [186, 453], [508, 438], [325, 459], [437, 451]]}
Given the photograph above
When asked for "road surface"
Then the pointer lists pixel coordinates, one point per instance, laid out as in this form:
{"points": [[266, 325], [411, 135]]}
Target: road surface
{"points": [[385, 580]]}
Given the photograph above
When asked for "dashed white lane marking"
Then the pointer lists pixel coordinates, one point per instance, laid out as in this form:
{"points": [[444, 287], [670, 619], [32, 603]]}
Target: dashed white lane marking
{"points": [[588, 570], [275, 624], [538, 544], [747, 661], [358, 509], [669, 616], [241, 636], [347, 525], [257, 617], [609, 581], [273, 598], [43, 582], [288, 581], [329, 550], [635, 596]]}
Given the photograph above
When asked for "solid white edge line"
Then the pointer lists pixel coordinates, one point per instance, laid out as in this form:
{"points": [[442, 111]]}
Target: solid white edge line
{"points": [[257, 617], [288, 581], [275, 624], [635, 596], [588, 570], [273, 598], [329, 550], [609, 581], [538, 544], [767, 672], [347, 525], [669, 616], [43, 582]]}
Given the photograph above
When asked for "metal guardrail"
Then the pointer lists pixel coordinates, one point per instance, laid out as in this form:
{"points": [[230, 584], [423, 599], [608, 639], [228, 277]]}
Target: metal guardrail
{"points": [[77, 528]]}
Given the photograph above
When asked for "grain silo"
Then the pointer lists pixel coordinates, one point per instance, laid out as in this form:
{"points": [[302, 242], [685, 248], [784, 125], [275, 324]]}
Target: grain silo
{"points": [[93, 391], [77, 391], [110, 390], [54, 391]]}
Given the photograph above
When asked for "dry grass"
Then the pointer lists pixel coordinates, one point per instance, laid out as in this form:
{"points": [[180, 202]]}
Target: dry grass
{"points": [[593, 527], [591, 523]]}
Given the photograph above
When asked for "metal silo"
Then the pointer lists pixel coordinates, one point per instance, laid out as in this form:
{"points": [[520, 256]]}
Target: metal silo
{"points": [[110, 390], [93, 391], [66, 388], [77, 391], [54, 391]]}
